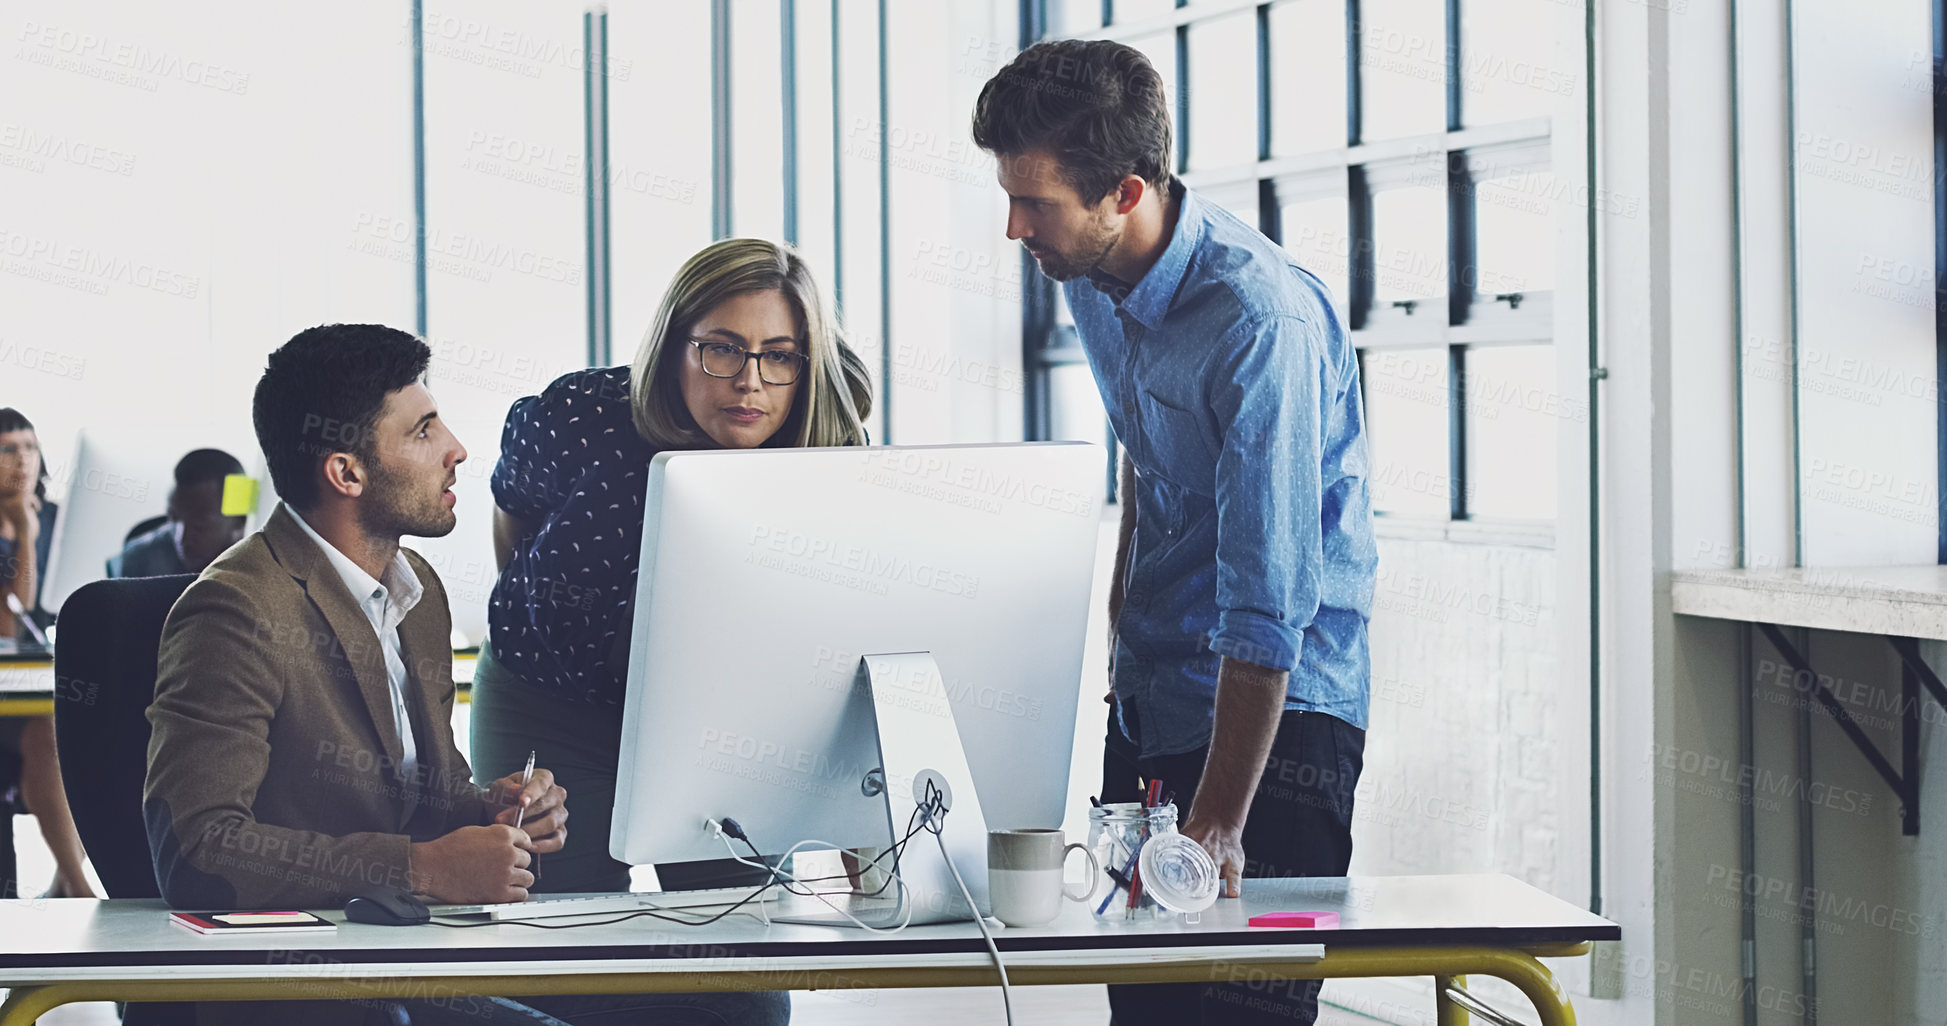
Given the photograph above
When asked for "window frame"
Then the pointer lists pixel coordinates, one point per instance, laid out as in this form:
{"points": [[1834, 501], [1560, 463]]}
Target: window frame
{"points": [[1469, 322]]}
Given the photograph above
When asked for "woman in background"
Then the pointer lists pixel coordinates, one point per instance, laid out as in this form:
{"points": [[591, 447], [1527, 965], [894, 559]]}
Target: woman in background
{"points": [[26, 531]]}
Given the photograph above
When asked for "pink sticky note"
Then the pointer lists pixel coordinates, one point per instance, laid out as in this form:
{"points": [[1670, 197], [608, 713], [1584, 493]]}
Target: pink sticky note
{"points": [[1301, 920]]}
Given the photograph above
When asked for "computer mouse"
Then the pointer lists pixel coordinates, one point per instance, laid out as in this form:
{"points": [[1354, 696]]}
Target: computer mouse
{"points": [[388, 908]]}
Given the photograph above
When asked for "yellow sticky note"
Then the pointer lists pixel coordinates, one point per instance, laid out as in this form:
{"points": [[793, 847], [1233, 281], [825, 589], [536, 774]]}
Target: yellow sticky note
{"points": [[239, 495]]}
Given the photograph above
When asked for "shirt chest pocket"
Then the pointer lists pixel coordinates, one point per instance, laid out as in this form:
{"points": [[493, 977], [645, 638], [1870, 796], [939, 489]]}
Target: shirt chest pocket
{"points": [[1174, 440]]}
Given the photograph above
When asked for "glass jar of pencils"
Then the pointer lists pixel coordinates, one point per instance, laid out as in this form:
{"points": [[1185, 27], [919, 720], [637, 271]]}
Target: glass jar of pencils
{"points": [[1117, 835]]}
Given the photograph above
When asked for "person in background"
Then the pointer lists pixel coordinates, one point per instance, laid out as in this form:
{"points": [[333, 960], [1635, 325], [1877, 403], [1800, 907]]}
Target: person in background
{"points": [[26, 531], [196, 531], [743, 353], [1246, 561]]}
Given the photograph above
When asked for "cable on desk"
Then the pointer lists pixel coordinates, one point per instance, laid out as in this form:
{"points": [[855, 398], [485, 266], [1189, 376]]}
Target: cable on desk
{"points": [[935, 807]]}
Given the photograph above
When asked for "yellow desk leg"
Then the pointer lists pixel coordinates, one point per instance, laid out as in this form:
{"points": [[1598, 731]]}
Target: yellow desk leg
{"points": [[1446, 1012]]}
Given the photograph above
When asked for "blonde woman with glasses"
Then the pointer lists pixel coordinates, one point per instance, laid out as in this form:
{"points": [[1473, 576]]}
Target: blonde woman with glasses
{"points": [[743, 354]]}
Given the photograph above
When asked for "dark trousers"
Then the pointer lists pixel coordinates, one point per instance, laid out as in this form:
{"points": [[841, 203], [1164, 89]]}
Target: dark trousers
{"points": [[1300, 824]]}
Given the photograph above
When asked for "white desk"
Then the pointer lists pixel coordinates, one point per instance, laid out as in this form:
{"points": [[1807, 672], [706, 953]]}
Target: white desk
{"points": [[1899, 603], [1442, 926]]}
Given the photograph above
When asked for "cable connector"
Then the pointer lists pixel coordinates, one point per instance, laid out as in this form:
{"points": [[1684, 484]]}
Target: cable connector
{"points": [[725, 827]]}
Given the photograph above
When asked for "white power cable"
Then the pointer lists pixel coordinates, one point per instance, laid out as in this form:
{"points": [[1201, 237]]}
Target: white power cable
{"points": [[1006, 1001], [786, 879]]}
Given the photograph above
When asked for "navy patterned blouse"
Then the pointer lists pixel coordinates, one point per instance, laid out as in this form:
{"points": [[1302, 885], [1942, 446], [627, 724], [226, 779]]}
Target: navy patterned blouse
{"points": [[572, 462]]}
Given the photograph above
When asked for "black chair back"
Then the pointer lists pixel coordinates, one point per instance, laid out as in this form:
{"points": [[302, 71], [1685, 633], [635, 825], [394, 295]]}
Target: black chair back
{"points": [[144, 528], [104, 677]]}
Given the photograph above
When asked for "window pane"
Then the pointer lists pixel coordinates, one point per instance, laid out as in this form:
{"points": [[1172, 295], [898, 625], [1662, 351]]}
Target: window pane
{"points": [[1223, 90], [1160, 48], [1514, 228], [1240, 198], [1509, 69], [1402, 68], [756, 120], [1409, 260], [1307, 76], [1314, 233], [1514, 407], [1128, 12], [1068, 17], [1406, 416], [1076, 413]]}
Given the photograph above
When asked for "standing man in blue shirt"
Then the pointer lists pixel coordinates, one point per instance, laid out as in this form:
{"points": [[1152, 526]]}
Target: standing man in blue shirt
{"points": [[1244, 575]]}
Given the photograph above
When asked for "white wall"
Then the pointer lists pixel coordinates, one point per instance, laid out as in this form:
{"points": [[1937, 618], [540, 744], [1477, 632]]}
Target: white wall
{"points": [[1859, 489], [182, 189]]}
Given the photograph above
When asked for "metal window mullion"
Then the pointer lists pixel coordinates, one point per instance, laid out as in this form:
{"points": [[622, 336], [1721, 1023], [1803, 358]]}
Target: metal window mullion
{"points": [[419, 166], [1182, 95], [789, 21], [1940, 257], [595, 205], [720, 210], [1264, 82], [1037, 293], [1457, 431], [1358, 223], [885, 242], [1454, 110], [1463, 268], [838, 174], [1352, 84]]}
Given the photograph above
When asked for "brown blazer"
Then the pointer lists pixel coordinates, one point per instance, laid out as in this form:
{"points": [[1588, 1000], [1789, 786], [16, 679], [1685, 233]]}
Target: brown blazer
{"points": [[272, 764]]}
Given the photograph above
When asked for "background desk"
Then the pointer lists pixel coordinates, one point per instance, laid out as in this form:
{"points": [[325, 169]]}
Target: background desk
{"points": [[1442, 926], [1901, 604], [27, 686]]}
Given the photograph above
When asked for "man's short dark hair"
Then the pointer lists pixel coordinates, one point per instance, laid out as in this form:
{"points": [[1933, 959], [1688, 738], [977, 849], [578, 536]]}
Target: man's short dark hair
{"points": [[1096, 104], [202, 466], [322, 393]]}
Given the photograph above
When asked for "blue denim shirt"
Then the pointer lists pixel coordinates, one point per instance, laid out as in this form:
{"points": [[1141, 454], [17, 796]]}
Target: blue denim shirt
{"points": [[1235, 391]]}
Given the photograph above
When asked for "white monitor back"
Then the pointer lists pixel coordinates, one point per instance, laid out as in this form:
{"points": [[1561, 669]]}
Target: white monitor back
{"points": [[767, 574]]}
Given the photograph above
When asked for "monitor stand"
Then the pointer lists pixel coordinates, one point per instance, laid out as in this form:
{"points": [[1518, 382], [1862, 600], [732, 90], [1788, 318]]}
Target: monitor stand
{"points": [[919, 753]]}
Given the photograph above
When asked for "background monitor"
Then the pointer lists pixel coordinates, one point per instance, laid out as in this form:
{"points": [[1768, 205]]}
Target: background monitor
{"points": [[767, 574]]}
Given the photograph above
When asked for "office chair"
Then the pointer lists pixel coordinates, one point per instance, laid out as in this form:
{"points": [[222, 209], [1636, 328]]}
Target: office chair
{"points": [[144, 528], [104, 678], [9, 866]]}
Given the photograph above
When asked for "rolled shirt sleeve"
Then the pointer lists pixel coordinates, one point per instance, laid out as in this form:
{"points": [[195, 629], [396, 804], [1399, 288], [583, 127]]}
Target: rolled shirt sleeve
{"points": [[1271, 404]]}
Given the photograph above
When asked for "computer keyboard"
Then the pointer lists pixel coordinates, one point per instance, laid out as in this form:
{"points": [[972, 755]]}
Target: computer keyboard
{"points": [[711, 899]]}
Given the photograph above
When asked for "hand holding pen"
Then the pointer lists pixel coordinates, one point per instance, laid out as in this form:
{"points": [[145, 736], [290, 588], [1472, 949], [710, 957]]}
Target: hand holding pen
{"points": [[535, 805]]}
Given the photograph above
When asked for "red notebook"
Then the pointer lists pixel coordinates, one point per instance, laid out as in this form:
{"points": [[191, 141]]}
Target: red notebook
{"points": [[252, 922]]}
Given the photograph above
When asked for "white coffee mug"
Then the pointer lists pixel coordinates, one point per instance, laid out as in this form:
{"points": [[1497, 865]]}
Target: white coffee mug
{"points": [[1024, 870]]}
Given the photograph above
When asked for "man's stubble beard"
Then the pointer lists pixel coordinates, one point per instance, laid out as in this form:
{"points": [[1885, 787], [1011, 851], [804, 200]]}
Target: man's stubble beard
{"points": [[394, 513], [1098, 241]]}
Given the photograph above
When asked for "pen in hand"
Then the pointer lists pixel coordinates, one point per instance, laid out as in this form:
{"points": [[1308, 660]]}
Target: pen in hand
{"points": [[526, 775]]}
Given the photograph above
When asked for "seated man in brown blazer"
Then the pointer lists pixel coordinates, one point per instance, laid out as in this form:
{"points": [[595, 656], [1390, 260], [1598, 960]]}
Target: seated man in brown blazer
{"points": [[303, 750]]}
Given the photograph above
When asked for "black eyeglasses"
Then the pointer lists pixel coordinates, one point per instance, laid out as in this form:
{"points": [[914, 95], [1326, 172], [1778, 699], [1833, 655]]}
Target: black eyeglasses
{"points": [[774, 366]]}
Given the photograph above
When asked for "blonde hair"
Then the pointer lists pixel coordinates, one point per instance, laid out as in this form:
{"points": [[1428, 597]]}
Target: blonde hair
{"points": [[835, 395]]}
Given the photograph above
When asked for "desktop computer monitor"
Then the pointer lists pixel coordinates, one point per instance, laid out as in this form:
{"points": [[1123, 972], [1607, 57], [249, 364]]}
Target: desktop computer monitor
{"points": [[765, 577]]}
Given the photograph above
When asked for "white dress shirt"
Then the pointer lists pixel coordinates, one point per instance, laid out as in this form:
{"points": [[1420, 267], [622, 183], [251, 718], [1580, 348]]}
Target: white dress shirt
{"points": [[384, 603]]}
